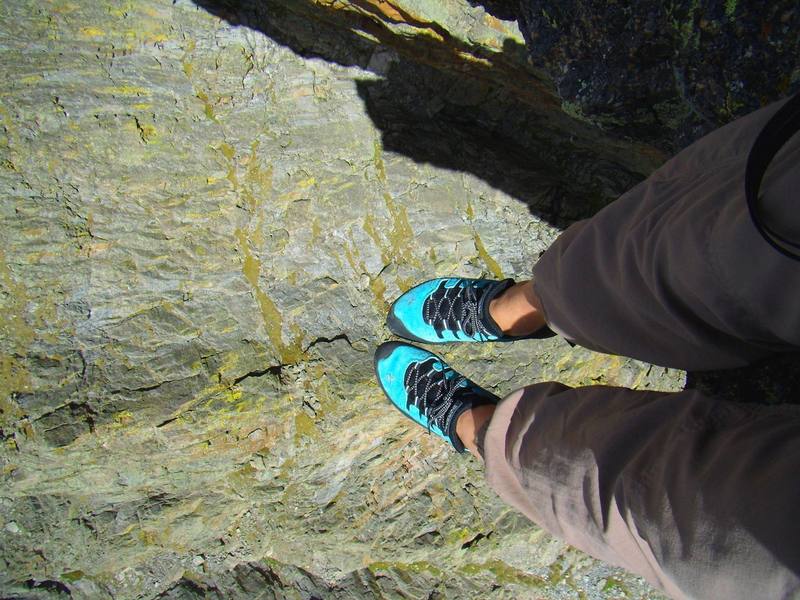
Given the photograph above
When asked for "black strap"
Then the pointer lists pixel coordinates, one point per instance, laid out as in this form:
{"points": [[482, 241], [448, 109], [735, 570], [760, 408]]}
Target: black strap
{"points": [[783, 125]]}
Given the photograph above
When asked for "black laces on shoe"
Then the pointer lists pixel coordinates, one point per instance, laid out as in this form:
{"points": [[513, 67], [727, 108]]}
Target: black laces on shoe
{"points": [[433, 391], [456, 309]]}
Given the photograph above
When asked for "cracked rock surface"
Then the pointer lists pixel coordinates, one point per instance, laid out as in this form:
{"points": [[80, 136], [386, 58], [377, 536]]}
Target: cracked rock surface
{"points": [[206, 210]]}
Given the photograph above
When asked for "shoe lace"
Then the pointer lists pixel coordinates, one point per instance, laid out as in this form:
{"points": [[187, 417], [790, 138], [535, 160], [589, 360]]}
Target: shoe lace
{"points": [[433, 391], [456, 308]]}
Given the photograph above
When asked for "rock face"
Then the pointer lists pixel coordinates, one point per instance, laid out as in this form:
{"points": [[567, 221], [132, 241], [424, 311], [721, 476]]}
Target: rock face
{"points": [[205, 213], [665, 72]]}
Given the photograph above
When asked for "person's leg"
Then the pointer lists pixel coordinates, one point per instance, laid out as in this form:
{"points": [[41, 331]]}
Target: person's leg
{"points": [[697, 495], [674, 272], [462, 309], [428, 391], [518, 310], [471, 428]]}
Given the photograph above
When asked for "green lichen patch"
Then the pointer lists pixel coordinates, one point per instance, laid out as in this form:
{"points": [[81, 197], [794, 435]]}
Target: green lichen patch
{"points": [[417, 567], [504, 574]]}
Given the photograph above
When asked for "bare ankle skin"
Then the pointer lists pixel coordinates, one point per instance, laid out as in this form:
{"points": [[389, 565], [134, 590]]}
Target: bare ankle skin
{"points": [[469, 424], [518, 310]]}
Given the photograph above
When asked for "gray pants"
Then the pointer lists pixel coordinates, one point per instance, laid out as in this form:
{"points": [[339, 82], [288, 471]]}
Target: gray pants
{"points": [[696, 494]]}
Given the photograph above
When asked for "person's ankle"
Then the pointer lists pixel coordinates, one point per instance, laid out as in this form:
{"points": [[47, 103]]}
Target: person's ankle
{"points": [[470, 422], [517, 310]]}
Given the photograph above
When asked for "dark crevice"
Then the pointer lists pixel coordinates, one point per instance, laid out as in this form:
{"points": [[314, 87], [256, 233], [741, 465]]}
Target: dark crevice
{"points": [[383, 269], [326, 340], [310, 408], [74, 407], [274, 371], [151, 387], [49, 585], [84, 367], [508, 10], [145, 388], [186, 588], [475, 540]]}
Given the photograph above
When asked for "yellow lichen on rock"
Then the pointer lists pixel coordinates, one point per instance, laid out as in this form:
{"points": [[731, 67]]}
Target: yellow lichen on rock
{"points": [[15, 333], [491, 264]]}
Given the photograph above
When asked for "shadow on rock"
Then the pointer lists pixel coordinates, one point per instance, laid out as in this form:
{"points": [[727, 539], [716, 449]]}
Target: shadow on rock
{"points": [[670, 72], [467, 122], [514, 137], [775, 380], [508, 10]]}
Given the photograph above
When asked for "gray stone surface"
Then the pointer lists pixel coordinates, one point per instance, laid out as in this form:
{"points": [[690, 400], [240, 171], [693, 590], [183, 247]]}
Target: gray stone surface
{"points": [[202, 227]]}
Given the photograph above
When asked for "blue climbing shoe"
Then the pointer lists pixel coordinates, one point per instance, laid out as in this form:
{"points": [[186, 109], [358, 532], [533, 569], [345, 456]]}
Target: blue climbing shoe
{"points": [[425, 389], [453, 309]]}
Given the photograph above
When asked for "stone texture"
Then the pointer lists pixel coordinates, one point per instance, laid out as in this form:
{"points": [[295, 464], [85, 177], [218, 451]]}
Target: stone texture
{"points": [[665, 72], [205, 213]]}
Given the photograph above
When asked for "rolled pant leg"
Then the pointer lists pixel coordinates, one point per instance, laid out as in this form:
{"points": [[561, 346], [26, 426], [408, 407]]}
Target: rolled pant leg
{"points": [[674, 272], [698, 495]]}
